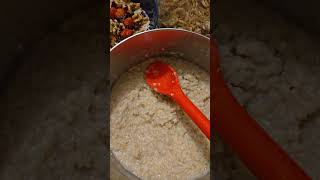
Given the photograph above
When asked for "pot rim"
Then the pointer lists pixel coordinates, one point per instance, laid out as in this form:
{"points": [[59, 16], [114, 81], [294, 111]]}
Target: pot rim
{"points": [[159, 29]]}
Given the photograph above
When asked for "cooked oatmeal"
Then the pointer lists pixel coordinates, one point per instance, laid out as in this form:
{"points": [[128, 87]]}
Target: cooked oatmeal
{"points": [[150, 135]]}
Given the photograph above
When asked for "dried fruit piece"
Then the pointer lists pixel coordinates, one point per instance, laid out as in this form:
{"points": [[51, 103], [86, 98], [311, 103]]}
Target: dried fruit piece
{"points": [[126, 33], [120, 13], [112, 12], [128, 22], [113, 38]]}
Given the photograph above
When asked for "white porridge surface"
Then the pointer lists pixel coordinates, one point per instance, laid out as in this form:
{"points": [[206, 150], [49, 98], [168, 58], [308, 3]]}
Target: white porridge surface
{"points": [[150, 135]]}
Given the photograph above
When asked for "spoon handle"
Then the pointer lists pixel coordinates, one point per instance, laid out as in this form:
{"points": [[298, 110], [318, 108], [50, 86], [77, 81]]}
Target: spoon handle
{"points": [[193, 112]]}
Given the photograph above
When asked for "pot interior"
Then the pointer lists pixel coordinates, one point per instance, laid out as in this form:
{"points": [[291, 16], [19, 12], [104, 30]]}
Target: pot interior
{"points": [[156, 43]]}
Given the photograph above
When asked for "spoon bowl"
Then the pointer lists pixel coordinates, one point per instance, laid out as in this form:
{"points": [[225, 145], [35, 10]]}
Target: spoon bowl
{"points": [[162, 78]]}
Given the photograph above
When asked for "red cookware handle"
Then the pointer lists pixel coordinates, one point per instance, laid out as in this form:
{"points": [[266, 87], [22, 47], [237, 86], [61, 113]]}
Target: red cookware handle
{"points": [[193, 112], [249, 141]]}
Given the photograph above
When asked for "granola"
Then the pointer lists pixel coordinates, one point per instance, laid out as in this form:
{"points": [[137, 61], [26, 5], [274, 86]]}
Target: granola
{"points": [[192, 15], [126, 19]]}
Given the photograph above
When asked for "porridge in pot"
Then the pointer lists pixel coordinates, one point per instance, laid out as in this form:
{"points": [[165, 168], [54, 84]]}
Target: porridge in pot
{"points": [[150, 135]]}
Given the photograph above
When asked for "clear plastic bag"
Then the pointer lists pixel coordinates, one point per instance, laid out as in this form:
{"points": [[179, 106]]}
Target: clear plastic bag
{"points": [[152, 10]]}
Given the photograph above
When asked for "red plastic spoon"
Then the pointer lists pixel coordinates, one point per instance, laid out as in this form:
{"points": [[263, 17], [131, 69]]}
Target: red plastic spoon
{"points": [[162, 78]]}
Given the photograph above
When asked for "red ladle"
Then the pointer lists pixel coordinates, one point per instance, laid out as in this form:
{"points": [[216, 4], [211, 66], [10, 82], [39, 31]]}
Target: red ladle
{"points": [[162, 78]]}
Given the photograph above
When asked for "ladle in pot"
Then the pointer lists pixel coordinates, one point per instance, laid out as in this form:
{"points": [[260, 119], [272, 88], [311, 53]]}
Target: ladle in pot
{"points": [[162, 78]]}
